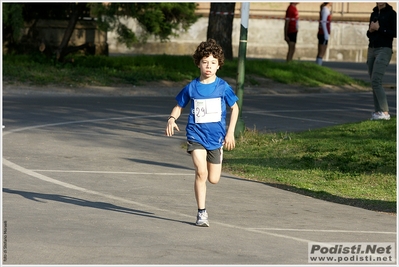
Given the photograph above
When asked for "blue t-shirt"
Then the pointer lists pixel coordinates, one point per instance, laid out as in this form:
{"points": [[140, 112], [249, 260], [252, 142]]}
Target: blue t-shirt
{"points": [[209, 134]]}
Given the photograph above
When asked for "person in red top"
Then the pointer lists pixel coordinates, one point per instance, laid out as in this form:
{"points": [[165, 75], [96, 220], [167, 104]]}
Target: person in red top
{"points": [[291, 29], [323, 35]]}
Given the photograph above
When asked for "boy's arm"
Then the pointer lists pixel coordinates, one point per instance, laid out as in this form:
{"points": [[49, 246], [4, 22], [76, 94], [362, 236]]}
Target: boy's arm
{"points": [[229, 141], [171, 125]]}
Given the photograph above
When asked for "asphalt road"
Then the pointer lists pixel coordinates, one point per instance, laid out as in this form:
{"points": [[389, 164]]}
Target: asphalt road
{"points": [[93, 180], [358, 70]]}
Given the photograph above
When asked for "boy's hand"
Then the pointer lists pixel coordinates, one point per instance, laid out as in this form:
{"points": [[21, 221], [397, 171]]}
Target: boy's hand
{"points": [[229, 142], [169, 131]]}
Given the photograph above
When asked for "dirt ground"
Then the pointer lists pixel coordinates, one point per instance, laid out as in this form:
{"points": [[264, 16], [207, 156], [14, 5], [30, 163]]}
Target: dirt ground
{"points": [[168, 88]]}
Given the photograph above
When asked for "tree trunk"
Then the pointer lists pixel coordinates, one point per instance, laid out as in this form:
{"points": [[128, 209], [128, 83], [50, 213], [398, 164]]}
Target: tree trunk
{"points": [[62, 50], [220, 26]]}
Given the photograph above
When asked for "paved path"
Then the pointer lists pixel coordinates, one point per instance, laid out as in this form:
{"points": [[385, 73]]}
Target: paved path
{"points": [[358, 70], [93, 180]]}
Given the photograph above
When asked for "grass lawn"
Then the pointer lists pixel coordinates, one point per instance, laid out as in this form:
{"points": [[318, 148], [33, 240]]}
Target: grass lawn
{"points": [[134, 70], [353, 164]]}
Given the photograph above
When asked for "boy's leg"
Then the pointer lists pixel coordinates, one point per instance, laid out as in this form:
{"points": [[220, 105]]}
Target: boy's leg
{"points": [[214, 172], [215, 159], [201, 175], [208, 166]]}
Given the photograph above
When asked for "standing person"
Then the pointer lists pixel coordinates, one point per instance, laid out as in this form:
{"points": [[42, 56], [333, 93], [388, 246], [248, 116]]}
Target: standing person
{"points": [[382, 30], [206, 127], [291, 29], [323, 35]]}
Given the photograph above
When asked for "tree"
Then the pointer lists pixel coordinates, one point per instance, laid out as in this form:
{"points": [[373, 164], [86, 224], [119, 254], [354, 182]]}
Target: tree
{"points": [[220, 26], [26, 15], [62, 50], [12, 23], [157, 19]]}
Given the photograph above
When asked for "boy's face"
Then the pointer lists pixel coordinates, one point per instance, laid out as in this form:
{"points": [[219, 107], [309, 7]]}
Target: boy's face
{"points": [[208, 66]]}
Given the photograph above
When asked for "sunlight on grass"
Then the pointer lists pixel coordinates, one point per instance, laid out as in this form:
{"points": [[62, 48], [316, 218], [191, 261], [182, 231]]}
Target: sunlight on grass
{"points": [[355, 161]]}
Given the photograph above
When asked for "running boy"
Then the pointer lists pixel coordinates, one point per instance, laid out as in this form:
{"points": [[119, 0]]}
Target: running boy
{"points": [[206, 126]]}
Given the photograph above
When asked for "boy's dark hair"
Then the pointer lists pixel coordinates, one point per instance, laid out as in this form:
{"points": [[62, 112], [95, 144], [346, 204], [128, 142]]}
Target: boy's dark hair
{"points": [[205, 49]]}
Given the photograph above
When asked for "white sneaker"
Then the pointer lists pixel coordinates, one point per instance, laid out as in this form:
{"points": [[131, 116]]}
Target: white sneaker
{"points": [[380, 116], [202, 219]]}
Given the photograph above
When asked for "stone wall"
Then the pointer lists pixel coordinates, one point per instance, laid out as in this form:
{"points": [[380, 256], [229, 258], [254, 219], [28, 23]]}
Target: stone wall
{"points": [[348, 41], [51, 33]]}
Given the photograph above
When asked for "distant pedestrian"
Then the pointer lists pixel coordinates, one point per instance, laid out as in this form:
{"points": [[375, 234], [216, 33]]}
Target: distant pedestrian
{"points": [[323, 35], [291, 29], [382, 30], [206, 127]]}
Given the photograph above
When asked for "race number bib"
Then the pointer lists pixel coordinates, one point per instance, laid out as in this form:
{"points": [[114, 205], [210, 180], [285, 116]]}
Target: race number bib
{"points": [[207, 110]]}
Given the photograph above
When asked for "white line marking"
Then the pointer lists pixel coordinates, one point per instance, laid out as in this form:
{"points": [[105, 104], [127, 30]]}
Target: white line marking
{"points": [[76, 122], [74, 187], [84, 190], [325, 231], [110, 172]]}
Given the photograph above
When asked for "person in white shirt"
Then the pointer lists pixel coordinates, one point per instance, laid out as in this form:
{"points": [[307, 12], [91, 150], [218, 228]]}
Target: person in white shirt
{"points": [[323, 35]]}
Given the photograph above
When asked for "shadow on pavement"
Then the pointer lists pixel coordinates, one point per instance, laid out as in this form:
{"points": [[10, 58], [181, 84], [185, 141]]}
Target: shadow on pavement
{"points": [[162, 164], [39, 197]]}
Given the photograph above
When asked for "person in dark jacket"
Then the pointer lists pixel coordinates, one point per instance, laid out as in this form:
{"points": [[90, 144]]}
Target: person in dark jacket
{"points": [[382, 30]]}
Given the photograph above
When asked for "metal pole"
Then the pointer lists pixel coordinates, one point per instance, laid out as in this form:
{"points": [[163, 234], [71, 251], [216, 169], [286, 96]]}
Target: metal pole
{"points": [[242, 51]]}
